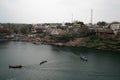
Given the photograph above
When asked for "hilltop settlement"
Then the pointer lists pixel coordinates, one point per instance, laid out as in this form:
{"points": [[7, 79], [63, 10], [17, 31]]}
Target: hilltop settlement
{"points": [[101, 35]]}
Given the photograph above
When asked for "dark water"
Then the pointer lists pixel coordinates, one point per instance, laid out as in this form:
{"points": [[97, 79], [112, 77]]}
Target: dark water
{"points": [[63, 63]]}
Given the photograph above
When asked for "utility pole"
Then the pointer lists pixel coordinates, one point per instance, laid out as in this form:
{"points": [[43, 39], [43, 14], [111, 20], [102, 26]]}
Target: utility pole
{"points": [[91, 20], [72, 18]]}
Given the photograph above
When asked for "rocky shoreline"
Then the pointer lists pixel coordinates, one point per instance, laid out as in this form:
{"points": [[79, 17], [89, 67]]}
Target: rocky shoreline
{"points": [[78, 42]]}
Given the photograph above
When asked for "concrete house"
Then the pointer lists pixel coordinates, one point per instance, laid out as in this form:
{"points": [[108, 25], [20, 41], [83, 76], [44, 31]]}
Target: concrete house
{"points": [[105, 33], [115, 26], [35, 28], [54, 32]]}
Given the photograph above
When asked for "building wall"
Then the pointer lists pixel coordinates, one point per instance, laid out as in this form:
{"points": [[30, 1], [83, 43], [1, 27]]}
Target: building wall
{"points": [[115, 28]]}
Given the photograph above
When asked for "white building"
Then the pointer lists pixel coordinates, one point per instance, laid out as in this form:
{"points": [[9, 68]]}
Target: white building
{"points": [[54, 32], [115, 26]]}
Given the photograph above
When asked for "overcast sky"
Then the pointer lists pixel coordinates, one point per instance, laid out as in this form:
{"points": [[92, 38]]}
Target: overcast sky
{"points": [[40, 11]]}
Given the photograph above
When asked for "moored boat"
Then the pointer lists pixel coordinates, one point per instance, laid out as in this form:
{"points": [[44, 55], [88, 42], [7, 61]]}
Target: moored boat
{"points": [[82, 57], [15, 66], [43, 62]]}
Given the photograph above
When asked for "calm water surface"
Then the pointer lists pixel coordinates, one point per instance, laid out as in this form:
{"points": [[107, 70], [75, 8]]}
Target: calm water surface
{"points": [[63, 63]]}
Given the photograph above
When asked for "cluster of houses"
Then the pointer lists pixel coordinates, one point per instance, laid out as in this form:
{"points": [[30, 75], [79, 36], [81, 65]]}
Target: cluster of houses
{"points": [[53, 29], [111, 31]]}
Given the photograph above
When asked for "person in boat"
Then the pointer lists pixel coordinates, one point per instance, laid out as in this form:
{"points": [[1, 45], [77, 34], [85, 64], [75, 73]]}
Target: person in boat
{"points": [[43, 62], [15, 66]]}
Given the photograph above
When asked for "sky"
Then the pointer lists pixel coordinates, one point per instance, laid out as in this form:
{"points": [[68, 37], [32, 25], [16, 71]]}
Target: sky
{"points": [[53, 11]]}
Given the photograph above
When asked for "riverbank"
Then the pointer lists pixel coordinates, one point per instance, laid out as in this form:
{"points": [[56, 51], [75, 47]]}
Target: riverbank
{"points": [[89, 42], [105, 44]]}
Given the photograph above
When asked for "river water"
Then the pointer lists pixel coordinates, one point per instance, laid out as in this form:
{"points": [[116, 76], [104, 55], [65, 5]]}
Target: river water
{"points": [[63, 63]]}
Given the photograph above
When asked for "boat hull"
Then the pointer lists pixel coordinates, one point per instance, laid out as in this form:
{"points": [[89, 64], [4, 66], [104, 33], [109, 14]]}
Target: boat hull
{"points": [[42, 62], [15, 66], [83, 58]]}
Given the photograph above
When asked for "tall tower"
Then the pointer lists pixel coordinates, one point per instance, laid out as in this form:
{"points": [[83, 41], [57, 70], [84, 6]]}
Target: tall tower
{"points": [[72, 18], [91, 19]]}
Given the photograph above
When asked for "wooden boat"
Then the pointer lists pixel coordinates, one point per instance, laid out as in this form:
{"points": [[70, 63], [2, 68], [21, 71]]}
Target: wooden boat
{"points": [[82, 57], [43, 62], [15, 66]]}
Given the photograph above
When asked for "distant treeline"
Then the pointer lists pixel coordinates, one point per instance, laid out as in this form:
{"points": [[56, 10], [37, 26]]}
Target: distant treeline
{"points": [[15, 28]]}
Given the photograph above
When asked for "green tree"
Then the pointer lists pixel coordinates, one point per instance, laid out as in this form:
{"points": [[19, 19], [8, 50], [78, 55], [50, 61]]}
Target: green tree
{"points": [[101, 23], [68, 24], [24, 30], [79, 22]]}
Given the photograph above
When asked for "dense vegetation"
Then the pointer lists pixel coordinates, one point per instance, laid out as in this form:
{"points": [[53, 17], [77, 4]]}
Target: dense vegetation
{"points": [[16, 28], [99, 43]]}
